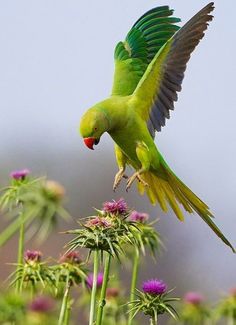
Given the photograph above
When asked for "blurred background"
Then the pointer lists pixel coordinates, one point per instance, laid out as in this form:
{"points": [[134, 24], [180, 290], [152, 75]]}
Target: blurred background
{"points": [[56, 60]]}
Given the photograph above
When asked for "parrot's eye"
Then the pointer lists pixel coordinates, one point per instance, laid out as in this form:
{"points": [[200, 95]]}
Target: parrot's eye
{"points": [[95, 129]]}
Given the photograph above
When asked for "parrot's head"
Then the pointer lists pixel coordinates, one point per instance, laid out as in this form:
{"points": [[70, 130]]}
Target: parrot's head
{"points": [[92, 125]]}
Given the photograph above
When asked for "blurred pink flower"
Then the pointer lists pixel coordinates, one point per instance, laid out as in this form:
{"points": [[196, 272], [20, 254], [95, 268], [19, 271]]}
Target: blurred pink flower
{"points": [[19, 174], [138, 216], [42, 304], [89, 280], [193, 298]]}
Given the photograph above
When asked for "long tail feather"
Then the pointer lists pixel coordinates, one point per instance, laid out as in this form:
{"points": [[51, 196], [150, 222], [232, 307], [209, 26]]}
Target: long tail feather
{"points": [[173, 191]]}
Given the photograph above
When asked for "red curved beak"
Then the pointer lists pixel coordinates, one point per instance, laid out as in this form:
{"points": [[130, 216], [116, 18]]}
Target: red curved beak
{"points": [[89, 142]]}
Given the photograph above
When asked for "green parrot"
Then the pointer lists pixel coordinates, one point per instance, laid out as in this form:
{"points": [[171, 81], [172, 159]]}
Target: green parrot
{"points": [[149, 70]]}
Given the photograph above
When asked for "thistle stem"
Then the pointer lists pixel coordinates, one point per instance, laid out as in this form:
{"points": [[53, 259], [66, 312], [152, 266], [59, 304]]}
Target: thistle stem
{"points": [[94, 288], [20, 249], [67, 314], [102, 301], [63, 320], [153, 321], [134, 281], [231, 321], [33, 290]]}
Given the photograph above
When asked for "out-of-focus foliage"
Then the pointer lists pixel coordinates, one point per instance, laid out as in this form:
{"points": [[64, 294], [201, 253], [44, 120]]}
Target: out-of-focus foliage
{"points": [[24, 310], [35, 202], [226, 308]]}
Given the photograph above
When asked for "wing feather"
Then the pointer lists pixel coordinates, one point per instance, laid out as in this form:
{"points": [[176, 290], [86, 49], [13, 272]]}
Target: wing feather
{"points": [[150, 32], [163, 78]]}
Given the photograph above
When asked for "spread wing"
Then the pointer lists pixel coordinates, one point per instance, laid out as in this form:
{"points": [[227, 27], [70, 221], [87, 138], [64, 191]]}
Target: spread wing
{"points": [[162, 80], [143, 41]]}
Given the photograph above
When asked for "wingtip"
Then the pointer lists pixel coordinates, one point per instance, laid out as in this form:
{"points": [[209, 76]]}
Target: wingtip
{"points": [[211, 6], [229, 244]]}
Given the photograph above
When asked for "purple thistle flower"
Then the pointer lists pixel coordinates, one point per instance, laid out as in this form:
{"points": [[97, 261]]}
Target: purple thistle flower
{"points": [[138, 216], [71, 257], [19, 174], [193, 298], [98, 222], [116, 207], [89, 280], [42, 304], [154, 287], [32, 256]]}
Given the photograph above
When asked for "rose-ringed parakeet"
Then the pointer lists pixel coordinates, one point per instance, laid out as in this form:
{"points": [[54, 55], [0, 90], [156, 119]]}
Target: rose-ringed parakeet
{"points": [[149, 70]]}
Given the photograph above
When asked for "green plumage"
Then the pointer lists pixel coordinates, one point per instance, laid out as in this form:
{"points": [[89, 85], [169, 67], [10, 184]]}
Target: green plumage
{"points": [[143, 41], [149, 70]]}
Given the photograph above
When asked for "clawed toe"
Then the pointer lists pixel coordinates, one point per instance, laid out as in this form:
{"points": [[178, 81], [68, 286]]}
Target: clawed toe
{"points": [[132, 179], [118, 179], [142, 181]]}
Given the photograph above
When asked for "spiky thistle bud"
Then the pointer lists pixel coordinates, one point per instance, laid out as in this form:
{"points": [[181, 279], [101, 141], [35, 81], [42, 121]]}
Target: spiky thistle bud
{"points": [[32, 256], [54, 189], [71, 257], [33, 272], [70, 269], [153, 300]]}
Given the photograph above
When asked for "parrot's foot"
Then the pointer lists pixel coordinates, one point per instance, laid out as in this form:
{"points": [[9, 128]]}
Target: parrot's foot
{"points": [[118, 178], [132, 179]]}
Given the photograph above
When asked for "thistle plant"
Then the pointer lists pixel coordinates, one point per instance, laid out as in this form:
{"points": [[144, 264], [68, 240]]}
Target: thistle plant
{"points": [[115, 311], [98, 234], [153, 301], [111, 236], [12, 200], [35, 202], [226, 308], [33, 205], [113, 228], [146, 237], [194, 309], [104, 234], [70, 271], [33, 273]]}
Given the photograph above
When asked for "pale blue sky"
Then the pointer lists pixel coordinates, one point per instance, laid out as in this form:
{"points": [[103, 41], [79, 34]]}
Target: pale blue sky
{"points": [[56, 60]]}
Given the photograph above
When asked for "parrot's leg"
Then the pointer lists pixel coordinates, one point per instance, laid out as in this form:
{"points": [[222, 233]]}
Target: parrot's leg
{"points": [[143, 155], [121, 162]]}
